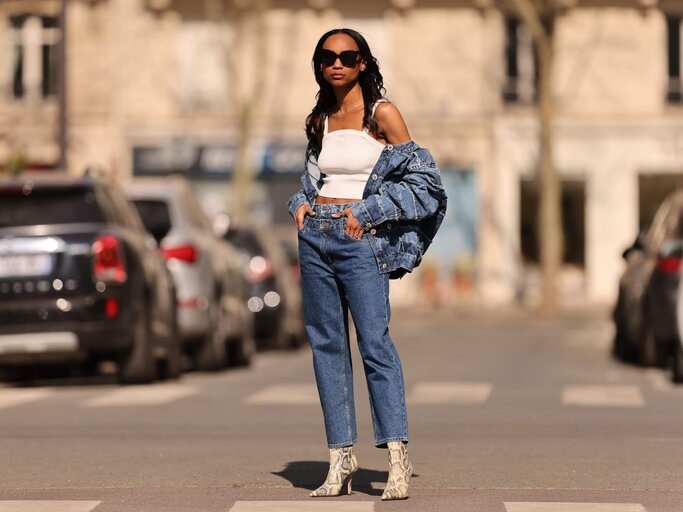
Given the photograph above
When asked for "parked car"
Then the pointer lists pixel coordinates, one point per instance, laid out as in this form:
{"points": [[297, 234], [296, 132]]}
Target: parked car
{"points": [[81, 280], [676, 361], [215, 324], [645, 313], [274, 294]]}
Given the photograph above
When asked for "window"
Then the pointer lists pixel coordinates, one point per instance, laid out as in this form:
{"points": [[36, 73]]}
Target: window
{"points": [[48, 205], [521, 76], [674, 92], [34, 42]]}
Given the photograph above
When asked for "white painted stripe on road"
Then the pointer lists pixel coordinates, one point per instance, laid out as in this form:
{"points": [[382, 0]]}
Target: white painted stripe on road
{"points": [[47, 506], [9, 397], [153, 394], [314, 505], [614, 395], [661, 381], [574, 507], [286, 394], [427, 393]]}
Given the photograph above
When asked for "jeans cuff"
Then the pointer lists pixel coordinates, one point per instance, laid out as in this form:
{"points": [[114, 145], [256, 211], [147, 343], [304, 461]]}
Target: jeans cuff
{"points": [[342, 445], [382, 443]]}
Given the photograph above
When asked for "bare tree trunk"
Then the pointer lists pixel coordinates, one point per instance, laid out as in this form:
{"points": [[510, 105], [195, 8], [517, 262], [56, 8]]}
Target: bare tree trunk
{"points": [[246, 105], [550, 225], [539, 17], [247, 85]]}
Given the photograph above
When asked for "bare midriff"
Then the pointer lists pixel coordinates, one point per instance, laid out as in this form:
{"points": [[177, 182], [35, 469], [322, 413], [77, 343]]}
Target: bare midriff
{"points": [[334, 200]]}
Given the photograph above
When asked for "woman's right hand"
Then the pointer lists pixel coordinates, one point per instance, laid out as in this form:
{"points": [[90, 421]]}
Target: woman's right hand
{"points": [[300, 214]]}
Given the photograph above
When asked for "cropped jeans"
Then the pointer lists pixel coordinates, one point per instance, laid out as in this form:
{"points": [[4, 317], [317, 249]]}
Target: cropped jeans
{"points": [[340, 274]]}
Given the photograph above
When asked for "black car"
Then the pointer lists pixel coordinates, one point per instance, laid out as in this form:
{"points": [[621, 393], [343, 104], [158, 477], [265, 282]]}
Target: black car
{"points": [[81, 280], [274, 295], [645, 313]]}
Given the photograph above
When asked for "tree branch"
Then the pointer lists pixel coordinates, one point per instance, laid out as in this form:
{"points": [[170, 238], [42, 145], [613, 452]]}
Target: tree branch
{"points": [[532, 19]]}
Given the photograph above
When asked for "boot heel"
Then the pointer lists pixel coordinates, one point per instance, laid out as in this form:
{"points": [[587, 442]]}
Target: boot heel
{"points": [[343, 465]]}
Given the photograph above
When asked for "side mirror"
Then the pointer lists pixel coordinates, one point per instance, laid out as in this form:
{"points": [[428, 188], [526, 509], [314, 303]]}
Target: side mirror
{"points": [[637, 246]]}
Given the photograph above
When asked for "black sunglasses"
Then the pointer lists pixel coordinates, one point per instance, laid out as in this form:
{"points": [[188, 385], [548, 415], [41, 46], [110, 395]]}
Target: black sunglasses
{"points": [[348, 58]]}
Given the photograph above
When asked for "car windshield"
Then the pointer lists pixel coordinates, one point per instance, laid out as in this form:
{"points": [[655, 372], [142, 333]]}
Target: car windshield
{"points": [[155, 217], [48, 206]]}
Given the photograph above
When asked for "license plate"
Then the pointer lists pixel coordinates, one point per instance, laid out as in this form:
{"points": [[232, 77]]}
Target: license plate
{"points": [[25, 265]]}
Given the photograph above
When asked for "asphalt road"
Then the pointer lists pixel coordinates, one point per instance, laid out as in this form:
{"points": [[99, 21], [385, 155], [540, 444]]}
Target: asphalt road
{"points": [[507, 413]]}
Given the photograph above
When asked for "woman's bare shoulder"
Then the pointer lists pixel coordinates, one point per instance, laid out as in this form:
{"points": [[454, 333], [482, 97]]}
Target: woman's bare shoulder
{"points": [[391, 123]]}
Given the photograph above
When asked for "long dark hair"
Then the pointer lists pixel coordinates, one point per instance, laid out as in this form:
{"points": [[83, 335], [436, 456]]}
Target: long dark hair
{"points": [[370, 80]]}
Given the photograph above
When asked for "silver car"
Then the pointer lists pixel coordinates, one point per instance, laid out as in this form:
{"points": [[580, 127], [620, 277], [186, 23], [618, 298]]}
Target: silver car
{"points": [[214, 321]]}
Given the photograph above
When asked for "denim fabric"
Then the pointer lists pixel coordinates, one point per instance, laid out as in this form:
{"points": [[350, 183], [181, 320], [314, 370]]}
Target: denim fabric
{"points": [[403, 204], [339, 274]]}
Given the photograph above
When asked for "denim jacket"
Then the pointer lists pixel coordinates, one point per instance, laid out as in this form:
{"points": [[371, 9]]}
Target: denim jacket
{"points": [[403, 204]]}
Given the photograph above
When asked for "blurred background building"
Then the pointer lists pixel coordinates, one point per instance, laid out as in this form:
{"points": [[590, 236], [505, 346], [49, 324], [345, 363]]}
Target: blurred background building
{"points": [[161, 86]]}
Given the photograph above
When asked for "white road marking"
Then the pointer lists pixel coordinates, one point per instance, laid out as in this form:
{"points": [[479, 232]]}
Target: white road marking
{"points": [[9, 397], [450, 393], [286, 394], [47, 506], [153, 394], [574, 507], [315, 505], [613, 395], [661, 380]]}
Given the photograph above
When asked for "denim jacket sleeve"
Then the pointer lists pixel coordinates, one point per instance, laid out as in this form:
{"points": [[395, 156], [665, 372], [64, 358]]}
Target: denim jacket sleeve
{"points": [[310, 180], [417, 195], [295, 201]]}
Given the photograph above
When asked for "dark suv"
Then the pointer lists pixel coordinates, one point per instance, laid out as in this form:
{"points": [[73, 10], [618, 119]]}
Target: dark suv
{"points": [[80, 279]]}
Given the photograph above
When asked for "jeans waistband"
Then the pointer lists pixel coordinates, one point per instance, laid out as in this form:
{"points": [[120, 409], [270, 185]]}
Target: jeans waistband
{"points": [[328, 209]]}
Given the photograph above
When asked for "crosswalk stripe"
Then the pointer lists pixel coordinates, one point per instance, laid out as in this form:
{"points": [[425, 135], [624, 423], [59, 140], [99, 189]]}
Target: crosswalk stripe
{"points": [[302, 506], [47, 506], [573, 507], [9, 397], [286, 394], [141, 395], [426, 393], [613, 395]]}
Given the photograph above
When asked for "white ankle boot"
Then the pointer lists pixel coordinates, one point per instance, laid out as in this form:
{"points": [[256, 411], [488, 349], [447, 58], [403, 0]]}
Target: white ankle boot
{"points": [[343, 466], [400, 471]]}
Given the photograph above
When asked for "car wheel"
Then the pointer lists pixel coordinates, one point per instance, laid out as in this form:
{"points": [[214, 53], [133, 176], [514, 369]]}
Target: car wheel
{"points": [[173, 365], [138, 364], [676, 363], [647, 355], [211, 355], [621, 347], [242, 351]]}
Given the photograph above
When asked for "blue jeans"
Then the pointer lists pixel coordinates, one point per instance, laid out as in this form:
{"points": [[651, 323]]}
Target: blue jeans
{"points": [[338, 274]]}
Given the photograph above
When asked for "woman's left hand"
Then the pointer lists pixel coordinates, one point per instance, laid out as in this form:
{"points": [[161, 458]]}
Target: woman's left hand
{"points": [[353, 228]]}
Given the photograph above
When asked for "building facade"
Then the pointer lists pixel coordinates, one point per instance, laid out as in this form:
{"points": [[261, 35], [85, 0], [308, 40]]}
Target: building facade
{"points": [[159, 86]]}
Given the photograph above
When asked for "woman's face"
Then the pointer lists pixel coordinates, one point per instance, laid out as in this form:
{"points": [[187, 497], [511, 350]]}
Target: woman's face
{"points": [[338, 74]]}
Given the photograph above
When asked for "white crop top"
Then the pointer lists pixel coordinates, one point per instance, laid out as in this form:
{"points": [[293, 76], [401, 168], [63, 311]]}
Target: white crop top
{"points": [[346, 160]]}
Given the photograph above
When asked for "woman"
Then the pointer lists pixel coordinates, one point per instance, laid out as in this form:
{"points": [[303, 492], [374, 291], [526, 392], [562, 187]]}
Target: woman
{"points": [[371, 203]]}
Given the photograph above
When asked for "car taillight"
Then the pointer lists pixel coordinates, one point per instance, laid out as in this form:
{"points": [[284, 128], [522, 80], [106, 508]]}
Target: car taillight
{"points": [[186, 253], [111, 307], [260, 269], [108, 264], [669, 265]]}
